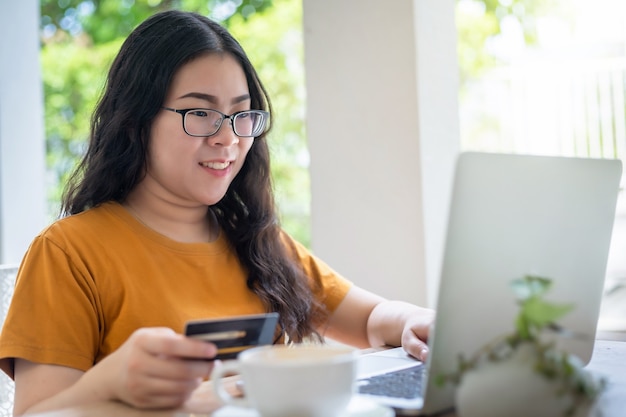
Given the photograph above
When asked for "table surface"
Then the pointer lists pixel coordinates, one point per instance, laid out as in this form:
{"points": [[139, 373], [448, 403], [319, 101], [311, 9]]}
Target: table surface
{"points": [[609, 360]]}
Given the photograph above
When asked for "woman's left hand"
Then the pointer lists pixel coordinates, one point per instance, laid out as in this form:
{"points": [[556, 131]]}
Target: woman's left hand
{"points": [[416, 331]]}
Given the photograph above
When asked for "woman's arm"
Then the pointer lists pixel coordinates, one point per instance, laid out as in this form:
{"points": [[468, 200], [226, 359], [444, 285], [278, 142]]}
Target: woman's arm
{"points": [[154, 368], [364, 319]]}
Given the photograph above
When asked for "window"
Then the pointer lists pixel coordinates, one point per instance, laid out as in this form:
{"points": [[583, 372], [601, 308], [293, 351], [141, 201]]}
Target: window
{"points": [[563, 92]]}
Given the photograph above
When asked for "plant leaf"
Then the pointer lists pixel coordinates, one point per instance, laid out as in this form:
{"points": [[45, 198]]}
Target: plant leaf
{"points": [[530, 286], [539, 313], [521, 324]]}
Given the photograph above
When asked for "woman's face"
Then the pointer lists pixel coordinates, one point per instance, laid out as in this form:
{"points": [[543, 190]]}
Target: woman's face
{"points": [[190, 170]]}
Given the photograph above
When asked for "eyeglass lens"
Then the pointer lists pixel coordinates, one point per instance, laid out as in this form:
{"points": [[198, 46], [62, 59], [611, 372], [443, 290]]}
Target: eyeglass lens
{"points": [[207, 122]]}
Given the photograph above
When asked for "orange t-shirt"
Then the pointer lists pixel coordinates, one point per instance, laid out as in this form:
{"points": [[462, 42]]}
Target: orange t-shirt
{"points": [[89, 280]]}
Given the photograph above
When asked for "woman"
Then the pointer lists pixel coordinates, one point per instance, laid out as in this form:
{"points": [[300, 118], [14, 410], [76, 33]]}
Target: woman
{"points": [[170, 217]]}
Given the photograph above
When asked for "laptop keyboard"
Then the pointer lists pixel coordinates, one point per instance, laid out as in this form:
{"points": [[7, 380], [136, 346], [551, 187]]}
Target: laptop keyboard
{"points": [[405, 383]]}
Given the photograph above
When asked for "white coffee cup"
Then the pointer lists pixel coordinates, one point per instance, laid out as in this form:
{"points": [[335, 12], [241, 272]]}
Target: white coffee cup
{"points": [[292, 381]]}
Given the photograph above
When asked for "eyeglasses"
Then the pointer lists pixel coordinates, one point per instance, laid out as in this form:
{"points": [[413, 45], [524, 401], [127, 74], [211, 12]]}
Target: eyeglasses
{"points": [[207, 122]]}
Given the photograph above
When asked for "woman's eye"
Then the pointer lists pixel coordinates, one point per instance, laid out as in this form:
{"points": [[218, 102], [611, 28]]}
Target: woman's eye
{"points": [[199, 113]]}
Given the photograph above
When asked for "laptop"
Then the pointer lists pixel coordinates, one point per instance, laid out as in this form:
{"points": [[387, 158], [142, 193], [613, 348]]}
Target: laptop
{"points": [[510, 216]]}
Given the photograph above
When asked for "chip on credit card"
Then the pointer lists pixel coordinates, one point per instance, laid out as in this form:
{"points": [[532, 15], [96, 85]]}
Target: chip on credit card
{"points": [[232, 335]]}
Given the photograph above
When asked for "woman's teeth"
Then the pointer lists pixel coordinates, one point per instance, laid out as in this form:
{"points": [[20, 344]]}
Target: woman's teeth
{"points": [[216, 165]]}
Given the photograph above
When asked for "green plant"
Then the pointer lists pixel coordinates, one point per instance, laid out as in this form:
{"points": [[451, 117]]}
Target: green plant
{"points": [[535, 319]]}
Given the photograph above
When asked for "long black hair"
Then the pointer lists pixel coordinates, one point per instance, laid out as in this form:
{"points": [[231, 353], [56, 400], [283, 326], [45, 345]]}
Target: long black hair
{"points": [[115, 160]]}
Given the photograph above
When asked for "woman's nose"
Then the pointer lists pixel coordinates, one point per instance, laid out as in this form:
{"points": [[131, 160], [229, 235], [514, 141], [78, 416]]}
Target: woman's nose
{"points": [[225, 135]]}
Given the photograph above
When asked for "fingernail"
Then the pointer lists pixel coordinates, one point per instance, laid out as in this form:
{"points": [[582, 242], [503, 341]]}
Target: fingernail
{"points": [[211, 350]]}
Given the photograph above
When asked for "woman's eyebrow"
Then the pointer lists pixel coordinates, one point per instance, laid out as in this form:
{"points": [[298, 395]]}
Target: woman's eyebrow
{"points": [[213, 99]]}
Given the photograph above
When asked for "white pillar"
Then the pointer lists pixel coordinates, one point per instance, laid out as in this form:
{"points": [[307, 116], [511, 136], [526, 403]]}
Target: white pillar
{"points": [[22, 144], [382, 128]]}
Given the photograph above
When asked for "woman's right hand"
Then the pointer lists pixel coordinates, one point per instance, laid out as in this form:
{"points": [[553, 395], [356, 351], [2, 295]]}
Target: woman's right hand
{"points": [[154, 368], [157, 368]]}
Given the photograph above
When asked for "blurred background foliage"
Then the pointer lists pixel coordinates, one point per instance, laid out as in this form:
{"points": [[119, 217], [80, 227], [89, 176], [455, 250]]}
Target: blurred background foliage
{"points": [[479, 24], [79, 39]]}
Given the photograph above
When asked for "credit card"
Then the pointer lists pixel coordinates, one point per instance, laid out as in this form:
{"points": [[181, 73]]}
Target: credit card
{"points": [[232, 335]]}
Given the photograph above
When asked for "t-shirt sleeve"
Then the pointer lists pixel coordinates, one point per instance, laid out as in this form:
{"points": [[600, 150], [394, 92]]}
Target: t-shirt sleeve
{"points": [[53, 317], [328, 285]]}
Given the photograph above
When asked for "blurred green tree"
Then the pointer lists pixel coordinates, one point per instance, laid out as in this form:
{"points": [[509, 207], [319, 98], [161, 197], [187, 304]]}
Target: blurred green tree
{"points": [[480, 21]]}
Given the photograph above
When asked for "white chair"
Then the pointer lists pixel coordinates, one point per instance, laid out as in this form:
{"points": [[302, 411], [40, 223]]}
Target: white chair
{"points": [[7, 388]]}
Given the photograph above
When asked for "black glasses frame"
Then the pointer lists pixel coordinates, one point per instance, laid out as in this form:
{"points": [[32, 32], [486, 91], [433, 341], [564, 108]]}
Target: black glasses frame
{"points": [[232, 117]]}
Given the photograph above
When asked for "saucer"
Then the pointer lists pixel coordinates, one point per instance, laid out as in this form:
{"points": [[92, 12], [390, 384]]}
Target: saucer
{"points": [[364, 407], [358, 407]]}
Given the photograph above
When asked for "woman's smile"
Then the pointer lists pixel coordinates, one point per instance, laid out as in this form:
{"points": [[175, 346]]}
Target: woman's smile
{"points": [[216, 165]]}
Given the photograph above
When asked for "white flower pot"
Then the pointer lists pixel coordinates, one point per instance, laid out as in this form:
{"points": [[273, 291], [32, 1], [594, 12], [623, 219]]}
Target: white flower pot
{"points": [[511, 388]]}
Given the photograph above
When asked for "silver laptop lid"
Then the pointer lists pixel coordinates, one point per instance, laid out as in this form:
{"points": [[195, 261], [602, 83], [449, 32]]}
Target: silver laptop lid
{"points": [[510, 216]]}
